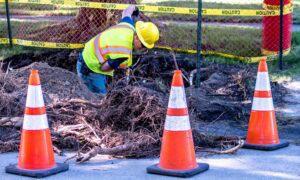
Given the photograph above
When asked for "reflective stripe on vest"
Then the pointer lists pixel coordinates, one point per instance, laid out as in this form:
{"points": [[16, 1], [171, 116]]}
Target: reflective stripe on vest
{"points": [[100, 52]]}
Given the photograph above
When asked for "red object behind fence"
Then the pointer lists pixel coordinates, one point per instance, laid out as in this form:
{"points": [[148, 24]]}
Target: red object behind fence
{"points": [[271, 28], [275, 4]]}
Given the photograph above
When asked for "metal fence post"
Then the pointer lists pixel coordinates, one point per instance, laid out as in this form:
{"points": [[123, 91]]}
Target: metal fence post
{"points": [[8, 23], [281, 36], [199, 43]]}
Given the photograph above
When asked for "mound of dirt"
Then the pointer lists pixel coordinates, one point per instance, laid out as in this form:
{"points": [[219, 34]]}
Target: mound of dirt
{"points": [[57, 84], [225, 92]]}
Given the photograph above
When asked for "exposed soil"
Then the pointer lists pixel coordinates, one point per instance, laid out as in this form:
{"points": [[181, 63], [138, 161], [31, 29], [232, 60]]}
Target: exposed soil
{"points": [[129, 120], [57, 84]]}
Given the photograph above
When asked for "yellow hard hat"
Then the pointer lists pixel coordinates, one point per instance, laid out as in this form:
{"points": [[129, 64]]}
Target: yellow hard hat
{"points": [[147, 32]]}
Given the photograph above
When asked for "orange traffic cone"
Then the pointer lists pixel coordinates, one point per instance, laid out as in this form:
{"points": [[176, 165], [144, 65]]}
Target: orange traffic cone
{"points": [[177, 156], [36, 156], [262, 130]]}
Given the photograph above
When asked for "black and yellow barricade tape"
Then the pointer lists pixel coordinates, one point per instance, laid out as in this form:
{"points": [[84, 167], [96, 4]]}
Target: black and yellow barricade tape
{"points": [[230, 56], [158, 9], [242, 12], [4, 41], [277, 7], [53, 45], [41, 44], [47, 44]]}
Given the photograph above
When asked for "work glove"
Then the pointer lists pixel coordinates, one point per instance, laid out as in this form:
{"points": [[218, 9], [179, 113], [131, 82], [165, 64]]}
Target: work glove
{"points": [[128, 12], [115, 63], [136, 12]]}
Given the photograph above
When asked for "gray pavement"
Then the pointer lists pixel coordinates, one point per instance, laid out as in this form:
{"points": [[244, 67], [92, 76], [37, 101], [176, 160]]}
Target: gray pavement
{"points": [[291, 109], [245, 164]]}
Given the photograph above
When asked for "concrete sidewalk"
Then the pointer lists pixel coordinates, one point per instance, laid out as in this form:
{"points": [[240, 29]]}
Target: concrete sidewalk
{"points": [[246, 164]]}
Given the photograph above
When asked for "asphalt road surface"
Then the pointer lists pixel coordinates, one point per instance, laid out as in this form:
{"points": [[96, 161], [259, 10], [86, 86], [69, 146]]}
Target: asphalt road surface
{"points": [[245, 164]]}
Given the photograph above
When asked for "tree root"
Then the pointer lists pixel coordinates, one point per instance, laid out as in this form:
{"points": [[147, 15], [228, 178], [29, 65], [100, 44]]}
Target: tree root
{"points": [[11, 121], [227, 151], [106, 151]]}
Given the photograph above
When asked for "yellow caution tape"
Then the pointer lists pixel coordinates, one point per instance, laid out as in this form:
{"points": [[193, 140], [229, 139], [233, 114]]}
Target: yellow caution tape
{"points": [[276, 7], [79, 46], [47, 44], [244, 59], [4, 41], [270, 53], [242, 12], [158, 9]]}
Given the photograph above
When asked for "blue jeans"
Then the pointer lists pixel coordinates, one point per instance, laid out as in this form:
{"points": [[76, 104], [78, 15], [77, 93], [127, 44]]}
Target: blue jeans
{"points": [[94, 81]]}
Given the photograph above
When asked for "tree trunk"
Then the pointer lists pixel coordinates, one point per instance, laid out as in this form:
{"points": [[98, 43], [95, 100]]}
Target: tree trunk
{"points": [[87, 23]]}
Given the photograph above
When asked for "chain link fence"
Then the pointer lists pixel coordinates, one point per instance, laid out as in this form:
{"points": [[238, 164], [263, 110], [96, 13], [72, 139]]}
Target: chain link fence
{"points": [[3, 24], [230, 28]]}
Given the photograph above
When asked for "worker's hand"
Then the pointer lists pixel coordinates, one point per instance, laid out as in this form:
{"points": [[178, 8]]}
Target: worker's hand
{"points": [[115, 63], [136, 12], [106, 67], [128, 12]]}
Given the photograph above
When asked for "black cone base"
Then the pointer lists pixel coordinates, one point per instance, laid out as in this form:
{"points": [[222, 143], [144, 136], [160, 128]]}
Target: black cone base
{"points": [[188, 173], [13, 169], [270, 147]]}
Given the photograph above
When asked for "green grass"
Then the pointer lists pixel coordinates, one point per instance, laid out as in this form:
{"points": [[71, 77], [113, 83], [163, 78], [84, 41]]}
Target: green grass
{"points": [[222, 60], [3, 29], [21, 28], [230, 40], [6, 51], [291, 62], [36, 9], [192, 4], [39, 7], [59, 12], [296, 13]]}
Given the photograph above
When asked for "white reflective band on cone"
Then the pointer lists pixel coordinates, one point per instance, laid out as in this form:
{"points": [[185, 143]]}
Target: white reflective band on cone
{"points": [[262, 104], [177, 98], [35, 122], [34, 97], [262, 82], [177, 123]]}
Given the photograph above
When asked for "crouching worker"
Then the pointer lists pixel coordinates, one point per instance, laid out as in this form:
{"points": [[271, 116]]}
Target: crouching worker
{"points": [[112, 49]]}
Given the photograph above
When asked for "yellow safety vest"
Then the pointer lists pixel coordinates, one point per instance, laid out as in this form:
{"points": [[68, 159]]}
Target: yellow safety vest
{"points": [[115, 42]]}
